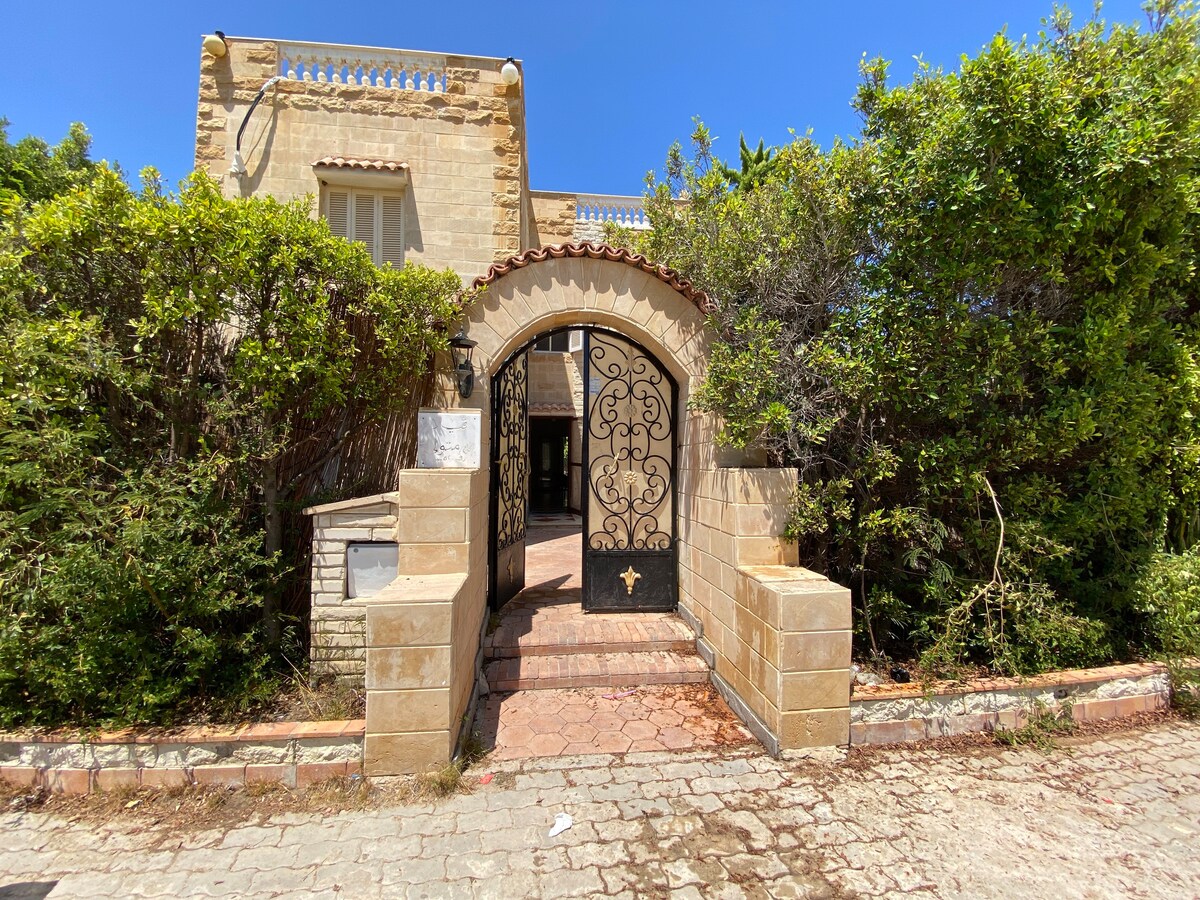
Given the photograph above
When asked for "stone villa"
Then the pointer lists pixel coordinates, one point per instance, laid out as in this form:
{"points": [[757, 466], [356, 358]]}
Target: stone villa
{"points": [[581, 359]]}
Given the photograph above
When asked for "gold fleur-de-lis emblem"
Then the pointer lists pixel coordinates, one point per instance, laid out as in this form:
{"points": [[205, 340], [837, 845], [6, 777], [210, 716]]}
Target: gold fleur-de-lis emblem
{"points": [[630, 578]]}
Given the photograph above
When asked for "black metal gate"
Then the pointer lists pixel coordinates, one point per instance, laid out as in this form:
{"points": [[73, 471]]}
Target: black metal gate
{"points": [[629, 541], [628, 476], [510, 480]]}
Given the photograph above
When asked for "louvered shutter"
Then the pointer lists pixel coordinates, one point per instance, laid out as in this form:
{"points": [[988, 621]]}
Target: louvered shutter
{"points": [[391, 239], [337, 212], [364, 221]]}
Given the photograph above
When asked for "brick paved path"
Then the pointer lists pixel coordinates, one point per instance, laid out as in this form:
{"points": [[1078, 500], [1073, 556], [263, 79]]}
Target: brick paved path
{"points": [[1115, 817]]}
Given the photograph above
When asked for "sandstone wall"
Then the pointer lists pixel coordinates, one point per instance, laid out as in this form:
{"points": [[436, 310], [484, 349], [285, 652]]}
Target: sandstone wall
{"points": [[465, 146]]}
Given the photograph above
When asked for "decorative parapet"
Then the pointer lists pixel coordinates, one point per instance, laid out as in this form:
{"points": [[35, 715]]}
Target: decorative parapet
{"points": [[592, 211], [410, 70]]}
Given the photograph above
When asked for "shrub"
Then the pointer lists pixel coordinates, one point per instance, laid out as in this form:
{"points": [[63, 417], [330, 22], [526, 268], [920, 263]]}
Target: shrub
{"points": [[1166, 596], [974, 332], [140, 599], [176, 372]]}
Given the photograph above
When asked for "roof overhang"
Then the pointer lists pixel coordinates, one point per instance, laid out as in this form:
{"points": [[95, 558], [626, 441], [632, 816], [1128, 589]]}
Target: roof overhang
{"points": [[379, 174]]}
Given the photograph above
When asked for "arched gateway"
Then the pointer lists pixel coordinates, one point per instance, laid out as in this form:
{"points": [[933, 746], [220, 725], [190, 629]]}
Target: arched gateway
{"points": [[670, 523]]}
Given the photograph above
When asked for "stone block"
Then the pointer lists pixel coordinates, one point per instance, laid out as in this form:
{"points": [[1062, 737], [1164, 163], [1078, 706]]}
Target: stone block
{"points": [[434, 559], [271, 774], [21, 776], [816, 690], [166, 778], [409, 625], [220, 776], [403, 668], [825, 608], [68, 781], [440, 488], [814, 728], [328, 750], [308, 774], [432, 526], [815, 651], [390, 712], [407, 753]]}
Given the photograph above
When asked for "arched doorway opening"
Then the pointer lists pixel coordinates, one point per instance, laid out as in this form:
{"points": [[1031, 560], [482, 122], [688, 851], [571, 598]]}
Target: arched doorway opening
{"points": [[625, 480]]}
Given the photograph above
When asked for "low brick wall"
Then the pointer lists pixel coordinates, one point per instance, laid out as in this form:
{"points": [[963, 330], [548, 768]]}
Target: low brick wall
{"points": [[295, 754], [889, 713]]}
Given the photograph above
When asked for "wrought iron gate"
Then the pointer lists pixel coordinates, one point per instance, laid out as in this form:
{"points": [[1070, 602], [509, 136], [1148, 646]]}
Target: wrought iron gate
{"points": [[510, 480], [629, 540]]}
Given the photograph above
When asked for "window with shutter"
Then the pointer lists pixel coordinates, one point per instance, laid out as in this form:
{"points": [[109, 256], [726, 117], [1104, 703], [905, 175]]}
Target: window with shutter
{"points": [[337, 212], [364, 219], [391, 233], [372, 218]]}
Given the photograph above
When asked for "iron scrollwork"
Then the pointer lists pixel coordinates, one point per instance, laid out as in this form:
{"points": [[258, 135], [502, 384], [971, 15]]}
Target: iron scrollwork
{"points": [[630, 428], [512, 453]]}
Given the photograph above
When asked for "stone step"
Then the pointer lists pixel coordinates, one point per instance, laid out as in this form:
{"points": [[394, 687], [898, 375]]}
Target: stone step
{"points": [[610, 670], [564, 630]]}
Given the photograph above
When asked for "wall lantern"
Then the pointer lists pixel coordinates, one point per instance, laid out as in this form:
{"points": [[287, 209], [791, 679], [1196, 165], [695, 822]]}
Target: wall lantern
{"points": [[462, 348], [214, 44], [509, 73]]}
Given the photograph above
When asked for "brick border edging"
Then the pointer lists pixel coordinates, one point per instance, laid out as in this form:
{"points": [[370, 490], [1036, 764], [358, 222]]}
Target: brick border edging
{"points": [[886, 714], [295, 754]]}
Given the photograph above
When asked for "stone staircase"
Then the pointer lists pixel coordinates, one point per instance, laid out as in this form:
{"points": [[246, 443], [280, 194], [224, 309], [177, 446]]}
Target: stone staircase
{"points": [[548, 643]]}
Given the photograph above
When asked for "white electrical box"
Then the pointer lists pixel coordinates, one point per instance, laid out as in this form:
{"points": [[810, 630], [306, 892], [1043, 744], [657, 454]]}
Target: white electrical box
{"points": [[370, 567]]}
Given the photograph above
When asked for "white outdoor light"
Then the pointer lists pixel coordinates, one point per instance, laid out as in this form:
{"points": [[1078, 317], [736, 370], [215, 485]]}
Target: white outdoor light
{"points": [[509, 71], [214, 44]]}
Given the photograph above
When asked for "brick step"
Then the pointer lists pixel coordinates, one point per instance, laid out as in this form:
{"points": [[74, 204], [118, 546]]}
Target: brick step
{"points": [[510, 651], [610, 670], [538, 633]]}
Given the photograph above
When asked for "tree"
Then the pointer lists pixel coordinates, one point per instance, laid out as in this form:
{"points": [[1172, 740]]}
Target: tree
{"points": [[169, 360], [30, 170], [980, 324], [756, 166]]}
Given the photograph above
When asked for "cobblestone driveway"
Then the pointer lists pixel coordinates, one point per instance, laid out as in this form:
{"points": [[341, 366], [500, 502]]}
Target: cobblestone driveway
{"points": [[1117, 816]]}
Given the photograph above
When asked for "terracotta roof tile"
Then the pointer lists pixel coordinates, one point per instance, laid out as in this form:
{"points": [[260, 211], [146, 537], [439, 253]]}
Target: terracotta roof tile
{"points": [[552, 408], [365, 165], [599, 251]]}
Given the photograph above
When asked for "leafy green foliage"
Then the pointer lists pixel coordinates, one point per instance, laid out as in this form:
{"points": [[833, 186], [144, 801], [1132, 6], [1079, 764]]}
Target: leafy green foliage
{"points": [[1167, 598], [31, 170], [974, 333], [1041, 729], [756, 166], [176, 370]]}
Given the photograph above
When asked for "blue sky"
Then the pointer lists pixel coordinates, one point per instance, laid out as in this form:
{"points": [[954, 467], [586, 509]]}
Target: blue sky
{"points": [[609, 85]]}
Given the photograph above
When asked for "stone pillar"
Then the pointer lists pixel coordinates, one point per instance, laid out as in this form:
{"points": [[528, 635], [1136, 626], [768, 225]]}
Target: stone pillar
{"points": [[409, 640], [776, 635], [423, 630]]}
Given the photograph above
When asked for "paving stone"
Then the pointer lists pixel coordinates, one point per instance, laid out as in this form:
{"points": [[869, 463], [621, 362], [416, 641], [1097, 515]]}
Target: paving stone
{"points": [[1107, 819]]}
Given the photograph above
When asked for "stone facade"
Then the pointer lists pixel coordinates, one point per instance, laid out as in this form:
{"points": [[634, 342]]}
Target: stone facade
{"points": [[769, 662], [424, 632], [467, 201], [464, 146], [448, 134]]}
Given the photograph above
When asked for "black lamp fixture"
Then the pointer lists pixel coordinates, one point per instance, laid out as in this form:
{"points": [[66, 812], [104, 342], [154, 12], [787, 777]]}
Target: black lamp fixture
{"points": [[462, 347]]}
